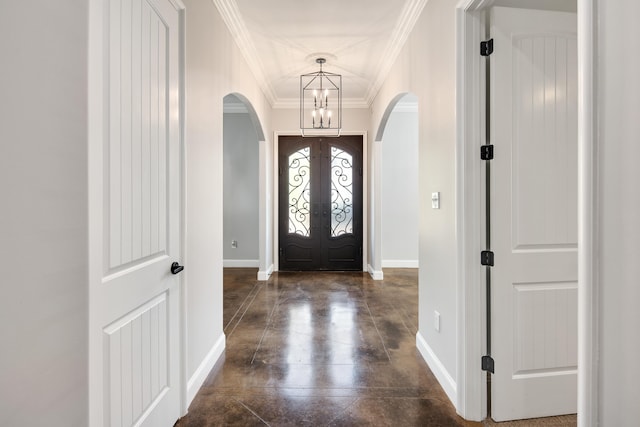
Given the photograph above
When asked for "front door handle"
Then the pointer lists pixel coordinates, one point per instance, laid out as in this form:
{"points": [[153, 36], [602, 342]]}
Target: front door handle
{"points": [[176, 268]]}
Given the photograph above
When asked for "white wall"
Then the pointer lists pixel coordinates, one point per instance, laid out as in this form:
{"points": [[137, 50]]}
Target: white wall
{"points": [[618, 213], [240, 191], [214, 69], [426, 67], [399, 190], [43, 219]]}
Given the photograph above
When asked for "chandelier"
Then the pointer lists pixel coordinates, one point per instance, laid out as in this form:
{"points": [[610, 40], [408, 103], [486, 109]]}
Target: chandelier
{"points": [[320, 103]]}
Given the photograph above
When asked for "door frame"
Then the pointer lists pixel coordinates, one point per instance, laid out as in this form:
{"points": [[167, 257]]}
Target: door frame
{"points": [[97, 72], [471, 380], [365, 196]]}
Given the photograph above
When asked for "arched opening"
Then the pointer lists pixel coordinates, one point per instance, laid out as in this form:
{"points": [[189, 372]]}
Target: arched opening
{"points": [[245, 217], [395, 187], [399, 186]]}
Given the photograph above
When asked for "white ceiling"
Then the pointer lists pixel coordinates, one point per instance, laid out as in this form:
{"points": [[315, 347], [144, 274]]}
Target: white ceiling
{"points": [[281, 39]]}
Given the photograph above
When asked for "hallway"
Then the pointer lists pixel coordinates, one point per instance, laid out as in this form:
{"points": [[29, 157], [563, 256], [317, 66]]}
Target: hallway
{"points": [[323, 349]]}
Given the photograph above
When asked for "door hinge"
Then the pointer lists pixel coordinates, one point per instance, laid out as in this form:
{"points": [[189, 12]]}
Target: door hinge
{"points": [[486, 152], [280, 171], [360, 171], [486, 258], [488, 364], [486, 47], [281, 251]]}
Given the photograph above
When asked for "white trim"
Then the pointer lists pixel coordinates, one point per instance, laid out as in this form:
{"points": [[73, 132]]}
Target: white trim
{"points": [[375, 208], [294, 103], [230, 107], [588, 267], [365, 198], [436, 366], [274, 191], [399, 263], [184, 372], [375, 274], [471, 335], [97, 67], [406, 107], [177, 4], [207, 364], [408, 18], [241, 263], [264, 275], [232, 17]]}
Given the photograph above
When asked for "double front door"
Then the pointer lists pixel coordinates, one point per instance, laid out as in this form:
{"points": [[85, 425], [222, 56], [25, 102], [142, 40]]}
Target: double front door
{"points": [[320, 203]]}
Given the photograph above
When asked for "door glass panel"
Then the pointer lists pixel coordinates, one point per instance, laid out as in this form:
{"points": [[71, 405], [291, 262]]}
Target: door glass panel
{"points": [[341, 192], [299, 192]]}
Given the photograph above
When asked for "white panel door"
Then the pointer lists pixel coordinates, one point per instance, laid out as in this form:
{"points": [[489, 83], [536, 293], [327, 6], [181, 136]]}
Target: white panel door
{"points": [[135, 302], [534, 213]]}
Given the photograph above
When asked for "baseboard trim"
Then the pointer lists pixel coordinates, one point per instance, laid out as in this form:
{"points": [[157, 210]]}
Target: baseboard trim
{"points": [[438, 369], [400, 263], [241, 263], [375, 275], [201, 374], [265, 274]]}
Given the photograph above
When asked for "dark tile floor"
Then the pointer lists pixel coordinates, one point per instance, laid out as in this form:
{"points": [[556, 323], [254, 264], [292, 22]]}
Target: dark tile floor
{"points": [[323, 349]]}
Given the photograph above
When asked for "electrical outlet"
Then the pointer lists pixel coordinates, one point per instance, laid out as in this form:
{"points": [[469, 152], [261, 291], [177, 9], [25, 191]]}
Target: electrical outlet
{"points": [[234, 244], [436, 321]]}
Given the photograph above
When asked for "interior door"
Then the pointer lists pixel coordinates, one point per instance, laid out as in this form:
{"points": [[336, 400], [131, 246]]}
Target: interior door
{"points": [[135, 300], [534, 213], [320, 203]]}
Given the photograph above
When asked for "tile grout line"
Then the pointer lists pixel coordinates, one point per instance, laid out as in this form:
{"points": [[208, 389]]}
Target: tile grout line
{"points": [[255, 295], [344, 410], [266, 328], [376, 326], [241, 306], [252, 411], [403, 315]]}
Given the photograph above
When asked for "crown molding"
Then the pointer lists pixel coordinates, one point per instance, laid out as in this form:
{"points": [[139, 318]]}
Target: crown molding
{"points": [[291, 103], [234, 108], [408, 18], [406, 107], [231, 16], [177, 4]]}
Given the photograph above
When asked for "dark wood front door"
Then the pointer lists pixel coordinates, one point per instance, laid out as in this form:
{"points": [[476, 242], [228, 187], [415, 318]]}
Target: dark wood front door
{"points": [[320, 203]]}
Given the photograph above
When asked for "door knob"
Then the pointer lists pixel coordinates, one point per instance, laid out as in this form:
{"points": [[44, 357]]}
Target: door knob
{"points": [[176, 268]]}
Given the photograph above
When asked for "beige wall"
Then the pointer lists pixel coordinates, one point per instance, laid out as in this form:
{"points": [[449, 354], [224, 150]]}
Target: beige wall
{"points": [[44, 214], [214, 68], [426, 68]]}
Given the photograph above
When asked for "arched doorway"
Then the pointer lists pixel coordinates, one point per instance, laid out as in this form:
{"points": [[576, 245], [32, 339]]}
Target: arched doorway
{"points": [[246, 217], [394, 231]]}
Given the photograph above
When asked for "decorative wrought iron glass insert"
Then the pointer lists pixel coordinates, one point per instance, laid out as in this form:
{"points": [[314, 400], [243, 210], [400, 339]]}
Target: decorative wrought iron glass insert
{"points": [[341, 192], [299, 192]]}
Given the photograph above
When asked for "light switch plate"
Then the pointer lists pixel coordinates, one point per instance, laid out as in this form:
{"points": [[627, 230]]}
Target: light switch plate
{"points": [[435, 200]]}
